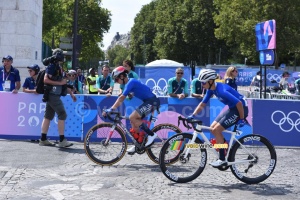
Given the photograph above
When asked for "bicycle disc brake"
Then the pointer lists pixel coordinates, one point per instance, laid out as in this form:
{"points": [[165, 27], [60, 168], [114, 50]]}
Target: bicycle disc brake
{"points": [[183, 159], [105, 144]]}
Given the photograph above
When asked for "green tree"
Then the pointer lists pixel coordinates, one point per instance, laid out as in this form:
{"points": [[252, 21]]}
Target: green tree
{"points": [[236, 20], [185, 31], [117, 54], [142, 35], [93, 21]]}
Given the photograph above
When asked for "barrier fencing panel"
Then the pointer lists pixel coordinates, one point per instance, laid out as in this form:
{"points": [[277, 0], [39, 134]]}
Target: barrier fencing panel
{"points": [[22, 115]]}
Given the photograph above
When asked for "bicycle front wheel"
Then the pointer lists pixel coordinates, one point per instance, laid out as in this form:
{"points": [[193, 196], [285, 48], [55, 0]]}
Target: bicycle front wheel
{"points": [[191, 161], [104, 145], [258, 148], [164, 131]]}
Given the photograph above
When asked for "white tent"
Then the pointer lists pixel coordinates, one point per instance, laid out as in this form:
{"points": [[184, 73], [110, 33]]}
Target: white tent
{"points": [[164, 63]]}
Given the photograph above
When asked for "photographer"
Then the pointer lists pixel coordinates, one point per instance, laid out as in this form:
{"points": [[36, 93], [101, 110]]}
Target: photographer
{"points": [[55, 86]]}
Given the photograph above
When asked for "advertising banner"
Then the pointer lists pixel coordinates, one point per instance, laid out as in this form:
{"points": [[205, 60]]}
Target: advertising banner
{"points": [[265, 33], [22, 116], [277, 120]]}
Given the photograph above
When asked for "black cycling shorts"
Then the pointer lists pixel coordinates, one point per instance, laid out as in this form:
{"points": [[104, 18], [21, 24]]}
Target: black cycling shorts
{"points": [[148, 106], [230, 117]]}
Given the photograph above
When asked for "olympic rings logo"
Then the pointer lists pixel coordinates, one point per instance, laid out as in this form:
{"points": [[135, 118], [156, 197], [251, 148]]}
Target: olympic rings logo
{"points": [[275, 77], [287, 120], [157, 90]]}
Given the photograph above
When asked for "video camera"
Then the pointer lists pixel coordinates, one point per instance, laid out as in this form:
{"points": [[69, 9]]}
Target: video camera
{"points": [[56, 57]]}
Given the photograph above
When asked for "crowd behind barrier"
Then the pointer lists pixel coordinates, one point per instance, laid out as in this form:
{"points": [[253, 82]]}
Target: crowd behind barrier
{"points": [[22, 115], [157, 79]]}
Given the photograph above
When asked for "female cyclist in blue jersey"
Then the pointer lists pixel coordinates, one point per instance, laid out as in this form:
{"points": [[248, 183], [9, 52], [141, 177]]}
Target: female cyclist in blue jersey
{"points": [[236, 114], [141, 91]]}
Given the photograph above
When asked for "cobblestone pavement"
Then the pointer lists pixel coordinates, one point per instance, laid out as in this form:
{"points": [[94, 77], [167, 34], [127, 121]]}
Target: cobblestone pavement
{"points": [[28, 171]]}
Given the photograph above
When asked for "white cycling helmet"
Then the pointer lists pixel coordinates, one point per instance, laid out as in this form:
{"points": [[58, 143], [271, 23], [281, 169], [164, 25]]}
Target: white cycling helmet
{"points": [[206, 75]]}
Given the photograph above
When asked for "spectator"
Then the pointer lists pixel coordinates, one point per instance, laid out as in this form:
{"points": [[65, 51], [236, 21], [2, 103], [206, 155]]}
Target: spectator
{"points": [[128, 65], [72, 81], [105, 83], [9, 76], [91, 82], [256, 79], [283, 84], [81, 81], [178, 86], [54, 79], [29, 84], [196, 89], [230, 77]]}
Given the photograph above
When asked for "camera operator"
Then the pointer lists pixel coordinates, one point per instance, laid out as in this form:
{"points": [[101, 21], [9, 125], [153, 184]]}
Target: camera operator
{"points": [[55, 86]]}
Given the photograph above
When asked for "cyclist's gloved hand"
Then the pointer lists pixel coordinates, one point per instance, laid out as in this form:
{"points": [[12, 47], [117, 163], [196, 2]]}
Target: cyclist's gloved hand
{"points": [[105, 111], [109, 110], [241, 122], [190, 118]]}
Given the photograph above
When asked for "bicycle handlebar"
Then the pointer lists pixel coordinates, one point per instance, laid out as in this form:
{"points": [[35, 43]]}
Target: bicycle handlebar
{"points": [[108, 115], [186, 122]]}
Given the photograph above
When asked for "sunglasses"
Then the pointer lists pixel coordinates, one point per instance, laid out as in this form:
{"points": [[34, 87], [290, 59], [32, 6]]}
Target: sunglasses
{"points": [[203, 83], [179, 72], [235, 71], [72, 75]]}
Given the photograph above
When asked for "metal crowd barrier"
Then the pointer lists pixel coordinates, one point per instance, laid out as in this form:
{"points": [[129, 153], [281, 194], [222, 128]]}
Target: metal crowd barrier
{"points": [[246, 91]]}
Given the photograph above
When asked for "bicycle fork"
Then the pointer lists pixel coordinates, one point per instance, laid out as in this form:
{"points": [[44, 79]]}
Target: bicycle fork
{"points": [[111, 131]]}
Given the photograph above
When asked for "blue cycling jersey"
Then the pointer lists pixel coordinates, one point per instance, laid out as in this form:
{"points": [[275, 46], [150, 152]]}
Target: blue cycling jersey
{"points": [[225, 94], [139, 89]]}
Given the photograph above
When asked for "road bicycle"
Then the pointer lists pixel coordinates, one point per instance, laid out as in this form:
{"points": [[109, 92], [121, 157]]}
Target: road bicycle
{"points": [[252, 158], [106, 143]]}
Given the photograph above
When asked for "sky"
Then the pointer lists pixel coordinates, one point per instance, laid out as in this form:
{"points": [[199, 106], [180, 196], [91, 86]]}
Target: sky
{"points": [[122, 19]]}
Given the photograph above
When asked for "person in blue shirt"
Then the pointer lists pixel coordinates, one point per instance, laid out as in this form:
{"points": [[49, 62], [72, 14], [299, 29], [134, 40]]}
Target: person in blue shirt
{"points": [[236, 114], [72, 81], [29, 84], [197, 90], [104, 82], [9, 76], [140, 91], [230, 77], [178, 86]]}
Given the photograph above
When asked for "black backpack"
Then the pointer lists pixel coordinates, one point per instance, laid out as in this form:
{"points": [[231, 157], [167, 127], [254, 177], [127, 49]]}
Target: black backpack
{"points": [[40, 82]]}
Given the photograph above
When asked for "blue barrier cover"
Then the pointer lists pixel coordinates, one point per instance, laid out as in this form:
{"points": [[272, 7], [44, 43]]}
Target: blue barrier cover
{"points": [[22, 115]]}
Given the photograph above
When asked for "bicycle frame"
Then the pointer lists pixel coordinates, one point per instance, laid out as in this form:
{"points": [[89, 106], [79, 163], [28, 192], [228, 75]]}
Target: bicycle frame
{"points": [[198, 131], [117, 121]]}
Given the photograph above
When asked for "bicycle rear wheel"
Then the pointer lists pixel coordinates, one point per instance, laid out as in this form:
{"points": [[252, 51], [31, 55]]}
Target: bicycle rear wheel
{"points": [[265, 159], [185, 169], [103, 151], [163, 131]]}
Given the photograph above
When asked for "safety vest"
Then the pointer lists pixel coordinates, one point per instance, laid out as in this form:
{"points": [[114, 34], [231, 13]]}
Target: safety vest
{"points": [[92, 88]]}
